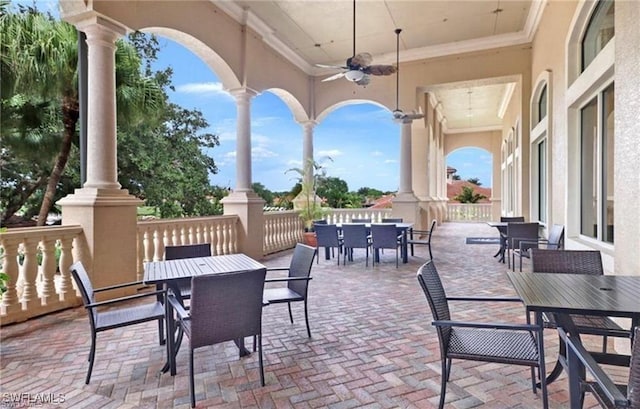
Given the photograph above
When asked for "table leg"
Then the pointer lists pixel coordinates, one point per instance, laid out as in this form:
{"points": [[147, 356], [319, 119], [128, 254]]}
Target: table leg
{"points": [[404, 247], [327, 253]]}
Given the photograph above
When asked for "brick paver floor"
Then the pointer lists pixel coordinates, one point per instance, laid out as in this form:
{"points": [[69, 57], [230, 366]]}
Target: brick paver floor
{"points": [[372, 346]]}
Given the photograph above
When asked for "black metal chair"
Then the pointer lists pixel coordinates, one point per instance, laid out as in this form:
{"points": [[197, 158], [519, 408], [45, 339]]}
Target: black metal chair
{"points": [[489, 342], [327, 236], [599, 383], [385, 236], [224, 307], [361, 220], [422, 237], [355, 236], [186, 251], [104, 320], [575, 262], [299, 275], [555, 241]]}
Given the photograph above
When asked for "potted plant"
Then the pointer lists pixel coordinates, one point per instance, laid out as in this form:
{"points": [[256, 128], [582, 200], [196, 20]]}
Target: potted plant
{"points": [[307, 203]]}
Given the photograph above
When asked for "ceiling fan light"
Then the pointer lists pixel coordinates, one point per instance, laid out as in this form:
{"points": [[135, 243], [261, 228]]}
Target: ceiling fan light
{"points": [[354, 75]]}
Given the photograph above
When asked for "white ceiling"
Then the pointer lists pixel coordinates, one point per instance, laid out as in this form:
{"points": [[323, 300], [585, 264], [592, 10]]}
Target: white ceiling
{"points": [[310, 32]]}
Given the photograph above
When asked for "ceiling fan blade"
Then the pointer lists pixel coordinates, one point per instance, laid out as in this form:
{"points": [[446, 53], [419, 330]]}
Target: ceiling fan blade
{"points": [[381, 69], [364, 81], [341, 67], [334, 77], [361, 59]]}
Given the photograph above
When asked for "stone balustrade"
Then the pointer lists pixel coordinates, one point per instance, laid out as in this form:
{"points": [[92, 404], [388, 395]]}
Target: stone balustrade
{"points": [[37, 261], [346, 215], [154, 235], [468, 212], [282, 230]]}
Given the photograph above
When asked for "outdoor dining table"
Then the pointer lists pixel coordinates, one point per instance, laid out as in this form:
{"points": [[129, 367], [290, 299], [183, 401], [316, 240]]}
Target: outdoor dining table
{"points": [[169, 272], [403, 229], [605, 295], [502, 229]]}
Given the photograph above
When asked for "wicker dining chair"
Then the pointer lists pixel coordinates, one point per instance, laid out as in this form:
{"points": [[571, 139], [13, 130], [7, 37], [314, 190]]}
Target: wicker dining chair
{"points": [[224, 307], [385, 236], [186, 251], [575, 262], [355, 236], [298, 277], [422, 237], [514, 344], [120, 314], [327, 236], [555, 241], [608, 394], [522, 236]]}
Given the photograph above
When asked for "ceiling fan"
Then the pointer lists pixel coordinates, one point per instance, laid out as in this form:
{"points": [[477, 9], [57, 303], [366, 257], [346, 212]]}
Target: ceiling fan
{"points": [[398, 114], [358, 67]]}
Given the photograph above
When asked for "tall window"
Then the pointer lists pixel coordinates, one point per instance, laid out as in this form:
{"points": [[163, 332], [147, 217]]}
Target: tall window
{"points": [[539, 147], [600, 30], [596, 167]]}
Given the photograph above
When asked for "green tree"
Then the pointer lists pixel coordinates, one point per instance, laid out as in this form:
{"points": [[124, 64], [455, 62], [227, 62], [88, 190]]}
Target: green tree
{"points": [[334, 190], [474, 181], [469, 196], [263, 192], [39, 69], [455, 176]]}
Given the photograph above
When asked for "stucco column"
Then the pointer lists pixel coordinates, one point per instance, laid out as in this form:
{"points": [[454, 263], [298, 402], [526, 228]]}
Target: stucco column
{"points": [[243, 138], [243, 201], [307, 150], [106, 212], [406, 204], [405, 158]]}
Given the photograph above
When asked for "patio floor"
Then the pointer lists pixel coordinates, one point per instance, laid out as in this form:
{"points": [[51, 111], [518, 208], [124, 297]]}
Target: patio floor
{"points": [[372, 346]]}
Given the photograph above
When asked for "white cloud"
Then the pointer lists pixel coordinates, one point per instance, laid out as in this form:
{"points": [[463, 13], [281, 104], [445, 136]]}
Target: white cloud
{"points": [[377, 153], [260, 152], [331, 153], [203, 88], [391, 161]]}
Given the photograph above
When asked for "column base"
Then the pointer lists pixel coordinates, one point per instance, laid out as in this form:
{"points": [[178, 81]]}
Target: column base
{"points": [[248, 206]]}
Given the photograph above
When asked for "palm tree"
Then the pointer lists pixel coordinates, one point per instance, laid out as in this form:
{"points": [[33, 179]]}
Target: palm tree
{"points": [[39, 62]]}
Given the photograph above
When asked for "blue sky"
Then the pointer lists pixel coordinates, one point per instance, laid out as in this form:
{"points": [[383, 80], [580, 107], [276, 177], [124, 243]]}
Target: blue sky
{"points": [[362, 140]]}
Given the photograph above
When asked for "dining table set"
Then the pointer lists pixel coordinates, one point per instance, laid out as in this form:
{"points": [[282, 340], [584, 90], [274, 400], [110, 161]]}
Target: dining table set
{"points": [[566, 294]]}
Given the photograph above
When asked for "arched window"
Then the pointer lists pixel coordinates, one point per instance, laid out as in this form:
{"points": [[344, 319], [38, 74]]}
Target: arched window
{"points": [[590, 119], [600, 30], [539, 149]]}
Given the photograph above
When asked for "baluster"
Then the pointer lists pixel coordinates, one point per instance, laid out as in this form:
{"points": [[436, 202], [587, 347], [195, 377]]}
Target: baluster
{"points": [[29, 273], [48, 269], [66, 259], [9, 300], [140, 252]]}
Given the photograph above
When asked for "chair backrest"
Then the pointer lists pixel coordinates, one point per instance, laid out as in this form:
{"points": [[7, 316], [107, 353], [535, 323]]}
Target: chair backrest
{"points": [[365, 220], [83, 282], [226, 307], [567, 261], [187, 251], [392, 220], [326, 235], [633, 387], [517, 232], [355, 235], [384, 236], [320, 221], [437, 298], [514, 219], [434, 222], [300, 266], [555, 240]]}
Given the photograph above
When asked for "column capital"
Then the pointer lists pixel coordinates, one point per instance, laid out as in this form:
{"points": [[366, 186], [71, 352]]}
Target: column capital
{"points": [[243, 93], [308, 123], [93, 24]]}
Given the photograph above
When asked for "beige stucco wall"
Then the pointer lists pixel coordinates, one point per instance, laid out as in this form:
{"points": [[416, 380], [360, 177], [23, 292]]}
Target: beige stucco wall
{"points": [[627, 148], [548, 53]]}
